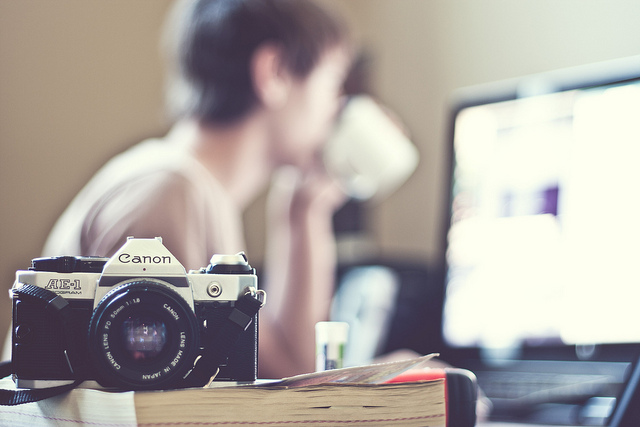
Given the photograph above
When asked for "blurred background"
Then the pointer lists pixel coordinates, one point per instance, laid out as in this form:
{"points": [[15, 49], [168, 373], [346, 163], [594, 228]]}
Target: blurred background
{"points": [[81, 81]]}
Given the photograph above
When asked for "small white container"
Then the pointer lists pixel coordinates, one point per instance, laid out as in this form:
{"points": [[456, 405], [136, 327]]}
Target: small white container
{"points": [[331, 340]]}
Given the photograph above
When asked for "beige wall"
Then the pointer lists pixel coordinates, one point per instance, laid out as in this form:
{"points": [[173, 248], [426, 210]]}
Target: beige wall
{"points": [[80, 80]]}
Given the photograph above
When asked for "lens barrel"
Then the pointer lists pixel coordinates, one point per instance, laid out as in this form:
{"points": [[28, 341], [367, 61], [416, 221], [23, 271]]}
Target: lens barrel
{"points": [[142, 336]]}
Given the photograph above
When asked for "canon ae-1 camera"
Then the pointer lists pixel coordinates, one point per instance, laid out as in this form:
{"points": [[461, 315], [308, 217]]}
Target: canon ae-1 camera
{"points": [[135, 321]]}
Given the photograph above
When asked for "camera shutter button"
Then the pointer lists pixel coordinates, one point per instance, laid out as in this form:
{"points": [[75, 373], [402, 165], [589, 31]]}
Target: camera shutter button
{"points": [[229, 264]]}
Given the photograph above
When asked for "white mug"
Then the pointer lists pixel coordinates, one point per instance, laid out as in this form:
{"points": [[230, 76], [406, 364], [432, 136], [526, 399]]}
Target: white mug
{"points": [[368, 154]]}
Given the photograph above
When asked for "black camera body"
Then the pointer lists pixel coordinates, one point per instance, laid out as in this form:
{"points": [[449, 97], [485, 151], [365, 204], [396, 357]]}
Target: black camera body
{"points": [[135, 321]]}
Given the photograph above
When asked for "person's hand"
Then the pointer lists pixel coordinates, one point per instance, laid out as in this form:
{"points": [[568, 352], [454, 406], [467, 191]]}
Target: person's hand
{"points": [[306, 192]]}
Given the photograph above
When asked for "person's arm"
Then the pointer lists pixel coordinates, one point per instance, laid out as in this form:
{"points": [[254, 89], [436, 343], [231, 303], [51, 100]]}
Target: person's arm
{"points": [[300, 265]]}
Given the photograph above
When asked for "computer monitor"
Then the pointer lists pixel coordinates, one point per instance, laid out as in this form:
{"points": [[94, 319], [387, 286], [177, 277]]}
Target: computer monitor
{"points": [[543, 225]]}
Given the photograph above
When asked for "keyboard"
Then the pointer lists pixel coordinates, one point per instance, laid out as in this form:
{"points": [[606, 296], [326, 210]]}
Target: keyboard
{"points": [[528, 388]]}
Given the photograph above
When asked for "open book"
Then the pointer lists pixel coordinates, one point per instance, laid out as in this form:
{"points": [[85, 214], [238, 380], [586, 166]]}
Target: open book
{"points": [[358, 395]]}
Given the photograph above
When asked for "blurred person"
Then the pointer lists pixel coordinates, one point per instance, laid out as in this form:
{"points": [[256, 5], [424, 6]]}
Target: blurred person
{"points": [[254, 87]]}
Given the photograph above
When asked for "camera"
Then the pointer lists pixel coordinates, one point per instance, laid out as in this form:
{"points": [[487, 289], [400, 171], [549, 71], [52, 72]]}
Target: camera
{"points": [[135, 321]]}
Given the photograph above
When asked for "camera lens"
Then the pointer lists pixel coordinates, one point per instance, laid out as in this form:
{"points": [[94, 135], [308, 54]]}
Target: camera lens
{"points": [[143, 335]]}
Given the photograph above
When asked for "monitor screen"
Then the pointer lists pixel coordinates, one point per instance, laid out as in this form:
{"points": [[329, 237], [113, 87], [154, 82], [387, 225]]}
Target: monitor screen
{"points": [[543, 236]]}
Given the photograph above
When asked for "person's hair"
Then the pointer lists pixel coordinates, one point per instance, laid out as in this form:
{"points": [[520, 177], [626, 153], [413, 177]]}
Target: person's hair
{"points": [[213, 43]]}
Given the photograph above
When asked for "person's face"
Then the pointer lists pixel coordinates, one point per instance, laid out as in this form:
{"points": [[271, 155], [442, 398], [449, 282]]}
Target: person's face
{"points": [[304, 122]]}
